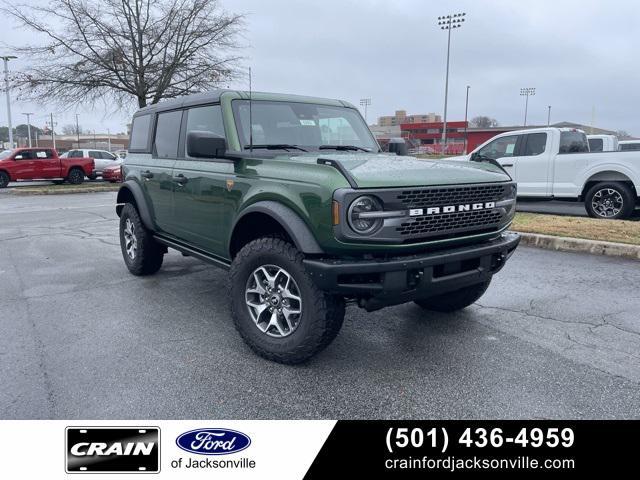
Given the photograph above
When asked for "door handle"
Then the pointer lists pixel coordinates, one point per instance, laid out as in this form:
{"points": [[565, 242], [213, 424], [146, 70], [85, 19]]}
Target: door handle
{"points": [[180, 179], [507, 164], [148, 175]]}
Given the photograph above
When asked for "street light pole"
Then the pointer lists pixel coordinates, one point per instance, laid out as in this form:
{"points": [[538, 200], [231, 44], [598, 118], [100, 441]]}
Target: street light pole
{"points": [[549, 116], [526, 92], [448, 22], [466, 112], [78, 130], [365, 102], [28, 115], [6, 59]]}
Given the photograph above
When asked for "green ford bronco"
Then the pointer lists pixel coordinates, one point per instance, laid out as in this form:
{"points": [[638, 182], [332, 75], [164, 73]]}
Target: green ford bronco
{"points": [[293, 195]]}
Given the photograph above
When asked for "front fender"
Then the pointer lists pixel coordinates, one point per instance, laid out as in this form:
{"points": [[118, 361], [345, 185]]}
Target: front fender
{"points": [[295, 227]]}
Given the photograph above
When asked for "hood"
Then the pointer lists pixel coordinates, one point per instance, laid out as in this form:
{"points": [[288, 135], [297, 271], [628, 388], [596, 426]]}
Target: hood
{"points": [[374, 170]]}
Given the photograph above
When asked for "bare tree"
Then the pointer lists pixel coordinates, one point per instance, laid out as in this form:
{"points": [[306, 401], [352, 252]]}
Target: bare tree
{"points": [[623, 135], [113, 50], [483, 122], [72, 129]]}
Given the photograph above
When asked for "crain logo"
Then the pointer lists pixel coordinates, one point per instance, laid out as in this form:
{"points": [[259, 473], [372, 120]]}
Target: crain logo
{"points": [[213, 441], [466, 207], [111, 449]]}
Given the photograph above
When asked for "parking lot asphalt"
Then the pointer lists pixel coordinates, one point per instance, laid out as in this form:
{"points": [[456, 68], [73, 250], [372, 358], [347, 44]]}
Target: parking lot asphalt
{"points": [[556, 336]]}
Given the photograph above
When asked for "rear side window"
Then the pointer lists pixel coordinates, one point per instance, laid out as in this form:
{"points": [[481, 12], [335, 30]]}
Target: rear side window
{"points": [[94, 154], [535, 144], [167, 134], [596, 145], [74, 154], [573, 142], [140, 133], [626, 147]]}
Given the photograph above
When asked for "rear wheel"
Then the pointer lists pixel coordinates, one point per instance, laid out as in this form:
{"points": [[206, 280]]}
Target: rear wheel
{"points": [[76, 176], [610, 200], [456, 300], [276, 307], [4, 179], [142, 254]]}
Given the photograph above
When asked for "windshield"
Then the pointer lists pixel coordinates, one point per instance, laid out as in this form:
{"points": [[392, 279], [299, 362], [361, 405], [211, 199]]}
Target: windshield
{"points": [[5, 154], [301, 126]]}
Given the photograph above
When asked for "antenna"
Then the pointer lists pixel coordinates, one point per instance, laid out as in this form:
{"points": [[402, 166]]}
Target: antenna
{"points": [[250, 115]]}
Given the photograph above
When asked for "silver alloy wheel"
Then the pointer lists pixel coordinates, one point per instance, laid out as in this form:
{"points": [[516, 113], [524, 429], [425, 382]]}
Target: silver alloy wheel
{"points": [[607, 202], [130, 240], [274, 301]]}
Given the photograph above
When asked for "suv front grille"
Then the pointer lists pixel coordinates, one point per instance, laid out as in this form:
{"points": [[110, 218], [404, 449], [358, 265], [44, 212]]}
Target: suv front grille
{"points": [[433, 197], [448, 222]]}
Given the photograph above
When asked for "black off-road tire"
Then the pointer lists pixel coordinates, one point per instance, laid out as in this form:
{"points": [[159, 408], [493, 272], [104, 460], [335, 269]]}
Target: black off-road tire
{"points": [[453, 301], [4, 179], [623, 190], [149, 253], [76, 176], [322, 314], [58, 182]]}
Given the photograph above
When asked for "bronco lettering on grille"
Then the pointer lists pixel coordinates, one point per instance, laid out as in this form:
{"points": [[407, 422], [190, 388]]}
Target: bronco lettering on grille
{"points": [[466, 207]]}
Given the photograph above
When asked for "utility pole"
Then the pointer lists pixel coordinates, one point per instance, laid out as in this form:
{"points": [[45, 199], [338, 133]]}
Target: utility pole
{"points": [[365, 102], [78, 130], [549, 115], [466, 112], [28, 115], [53, 132], [526, 92], [6, 59], [109, 138], [448, 22]]}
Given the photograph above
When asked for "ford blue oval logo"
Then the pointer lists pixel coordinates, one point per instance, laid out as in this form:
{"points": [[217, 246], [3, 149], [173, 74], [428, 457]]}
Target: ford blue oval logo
{"points": [[213, 441]]}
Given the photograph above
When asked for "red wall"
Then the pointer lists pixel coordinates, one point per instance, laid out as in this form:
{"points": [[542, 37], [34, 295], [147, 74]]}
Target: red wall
{"points": [[478, 138]]}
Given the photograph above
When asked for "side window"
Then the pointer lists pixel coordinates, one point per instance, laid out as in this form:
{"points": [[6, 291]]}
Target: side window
{"points": [[573, 142], [25, 154], [595, 145], [500, 147], [167, 134], [140, 133], [535, 144], [94, 154], [205, 119]]}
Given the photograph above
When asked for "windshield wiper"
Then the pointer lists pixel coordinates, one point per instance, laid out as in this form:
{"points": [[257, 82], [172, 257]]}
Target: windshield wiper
{"points": [[275, 146], [343, 147]]}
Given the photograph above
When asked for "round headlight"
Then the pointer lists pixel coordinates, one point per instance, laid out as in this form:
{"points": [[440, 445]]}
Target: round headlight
{"points": [[363, 224]]}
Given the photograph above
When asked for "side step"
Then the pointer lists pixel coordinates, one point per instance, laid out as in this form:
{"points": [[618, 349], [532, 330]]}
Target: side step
{"points": [[193, 252]]}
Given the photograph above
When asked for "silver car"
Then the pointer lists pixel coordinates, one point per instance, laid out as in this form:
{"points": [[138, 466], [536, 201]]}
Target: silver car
{"points": [[102, 158]]}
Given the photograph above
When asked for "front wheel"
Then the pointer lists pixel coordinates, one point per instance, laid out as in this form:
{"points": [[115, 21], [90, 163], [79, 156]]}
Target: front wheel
{"points": [[277, 309], [142, 254], [610, 200], [76, 176], [456, 300]]}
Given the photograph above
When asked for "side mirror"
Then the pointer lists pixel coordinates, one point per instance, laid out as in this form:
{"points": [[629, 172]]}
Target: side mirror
{"points": [[474, 157], [398, 146], [205, 145]]}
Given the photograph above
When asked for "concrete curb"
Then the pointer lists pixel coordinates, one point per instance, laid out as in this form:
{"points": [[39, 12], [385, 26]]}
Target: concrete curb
{"points": [[63, 191], [568, 244]]}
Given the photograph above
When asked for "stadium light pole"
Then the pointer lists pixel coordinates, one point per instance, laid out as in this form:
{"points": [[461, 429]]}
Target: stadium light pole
{"points": [[6, 59], [527, 92], [28, 115], [365, 102], [466, 113], [448, 22]]}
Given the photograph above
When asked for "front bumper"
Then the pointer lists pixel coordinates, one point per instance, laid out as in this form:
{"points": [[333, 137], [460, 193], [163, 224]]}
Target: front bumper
{"points": [[378, 283]]}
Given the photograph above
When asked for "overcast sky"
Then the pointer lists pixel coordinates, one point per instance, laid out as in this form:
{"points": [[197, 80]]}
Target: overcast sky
{"points": [[581, 56]]}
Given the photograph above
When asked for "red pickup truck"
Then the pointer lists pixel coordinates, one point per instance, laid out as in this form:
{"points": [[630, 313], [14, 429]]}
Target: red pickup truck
{"points": [[42, 164]]}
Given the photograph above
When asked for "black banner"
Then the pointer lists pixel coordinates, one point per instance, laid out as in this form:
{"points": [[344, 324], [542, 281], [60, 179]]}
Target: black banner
{"points": [[418, 449]]}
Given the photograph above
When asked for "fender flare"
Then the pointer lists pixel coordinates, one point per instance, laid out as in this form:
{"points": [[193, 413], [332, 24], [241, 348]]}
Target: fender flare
{"points": [[143, 208], [295, 227]]}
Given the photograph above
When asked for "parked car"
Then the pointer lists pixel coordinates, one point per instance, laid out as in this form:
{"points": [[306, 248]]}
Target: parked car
{"points": [[307, 213], [102, 158], [556, 163], [603, 143], [628, 145], [121, 153], [42, 164], [112, 173]]}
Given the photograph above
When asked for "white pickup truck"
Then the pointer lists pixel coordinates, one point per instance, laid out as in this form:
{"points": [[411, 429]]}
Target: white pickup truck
{"points": [[556, 163]]}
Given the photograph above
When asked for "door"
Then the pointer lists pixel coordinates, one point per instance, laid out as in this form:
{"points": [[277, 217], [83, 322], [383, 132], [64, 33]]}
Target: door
{"points": [[534, 165], [23, 168], [46, 165], [505, 151], [205, 195]]}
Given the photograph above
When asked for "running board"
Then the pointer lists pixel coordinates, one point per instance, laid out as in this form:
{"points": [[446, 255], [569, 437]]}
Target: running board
{"points": [[193, 252]]}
